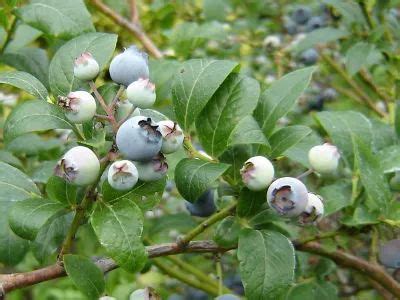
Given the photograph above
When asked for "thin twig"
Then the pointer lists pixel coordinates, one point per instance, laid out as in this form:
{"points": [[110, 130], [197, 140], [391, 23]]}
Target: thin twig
{"points": [[134, 12], [116, 97], [305, 174], [367, 78], [130, 112], [103, 104], [133, 28]]}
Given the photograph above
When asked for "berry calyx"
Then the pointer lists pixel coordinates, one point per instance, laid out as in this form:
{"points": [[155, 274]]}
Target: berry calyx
{"points": [[79, 106], [122, 175], [141, 93], [79, 166], [86, 67], [172, 136], [287, 196], [257, 173], [314, 210], [152, 170], [324, 158]]}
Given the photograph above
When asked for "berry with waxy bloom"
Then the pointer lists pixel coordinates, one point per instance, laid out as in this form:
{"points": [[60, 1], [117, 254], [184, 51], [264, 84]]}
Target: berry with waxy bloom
{"points": [[86, 67], [79, 166], [257, 173], [227, 297], [122, 175], [141, 93], [324, 158], [204, 205], [172, 136], [144, 294], [287, 196], [152, 170], [314, 209], [79, 106], [389, 254], [301, 15], [139, 139], [129, 66]]}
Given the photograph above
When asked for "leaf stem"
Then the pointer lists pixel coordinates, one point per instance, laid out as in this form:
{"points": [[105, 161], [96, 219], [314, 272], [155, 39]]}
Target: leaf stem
{"points": [[192, 151], [9, 34], [219, 274], [183, 241]]}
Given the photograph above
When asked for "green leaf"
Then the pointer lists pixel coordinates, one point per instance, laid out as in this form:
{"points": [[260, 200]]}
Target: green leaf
{"points": [[397, 119], [32, 144], [287, 137], [358, 56], [299, 152], [320, 36], [50, 237], [31, 60], [146, 195], [342, 126], [194, 176], [23, 36], [350, 11], [227, 232], [389, 159], [87, 277], [8, 158], [44, 171], [194, 85], [119, 229], [35, 115], [267, 262], [312, 291], [250, 203], [280, 98], [61, 71], [371, 176], [28, 216], [362, 216], [58, 18], [235, 98], [26, 82], [58, 189], [247, 131], [336, 196]]}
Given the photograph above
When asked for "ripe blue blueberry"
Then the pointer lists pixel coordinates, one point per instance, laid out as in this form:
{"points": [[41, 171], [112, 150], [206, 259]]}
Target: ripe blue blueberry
{"points": [[141, 93], [79, 106], [122, 175], [317, 104], [291, 27], [329, 94], [172, 136], [227, 297], [389, 254], [234, 282], [301, 15], [324, 158], [309, 57], [257, 173], [79, 166], [139, 139], [313, 211], [129, 66], [86, 67], [315, 23], [204, 206], [124, 108], [152, 170], [287, 196]]}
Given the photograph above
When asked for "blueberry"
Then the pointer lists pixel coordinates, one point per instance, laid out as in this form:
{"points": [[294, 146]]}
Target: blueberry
{"points": [[257, 173], [152, 170], [192, 294], [313, 211], [317, 104], [86, 67], [324, 158], [309, 57], [301, 15], [129, 66], [139, 139], [329, 94], [123, 108], [122, 175], [79, 106], [287, 196], [291, 27], [234, 283], [172, 136], [144, 294], [315, 23], [204, 206], [389, 254], [141, 93], [227, 297]]}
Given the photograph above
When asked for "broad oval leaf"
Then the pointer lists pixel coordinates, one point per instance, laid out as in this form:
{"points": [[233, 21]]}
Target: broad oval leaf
{"points": [[61, 70], [320, 36], [87, 277], [361, 55], [119, 228], [235, 98], [58, 189], [28, 216], [32, 116], [26, 82], [267, 262], [58, 18], [194, 85], [194, 176], [227, 232], [389, 159], [247, 131], [287, 137], [250, 203], [280, 98]]}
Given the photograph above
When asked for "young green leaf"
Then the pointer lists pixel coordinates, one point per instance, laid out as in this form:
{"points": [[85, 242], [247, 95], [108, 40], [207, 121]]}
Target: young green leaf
{"points": [[250, 203], [26, 82], [287, 137], [58, 189], [247, 131]]}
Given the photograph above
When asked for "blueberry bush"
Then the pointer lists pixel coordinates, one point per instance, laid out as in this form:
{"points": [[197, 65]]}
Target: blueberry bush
{"points": [[199, 149]]}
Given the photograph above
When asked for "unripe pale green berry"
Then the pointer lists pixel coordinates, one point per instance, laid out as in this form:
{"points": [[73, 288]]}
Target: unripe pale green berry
{"points": [[79, 106], [152, 170], [141, 93], [257, 173], [324, 158], [123, 109], [389, 254], [122, 175], [227, 297], [139, 139], [314, 210], [144, 294], [79, 166], [172, 136], [107, 298], [129, 66], [86, 67], [287, 196]]}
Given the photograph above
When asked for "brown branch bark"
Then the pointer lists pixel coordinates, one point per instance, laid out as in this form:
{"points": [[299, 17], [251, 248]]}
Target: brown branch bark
{"points": [[130, 26]]}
